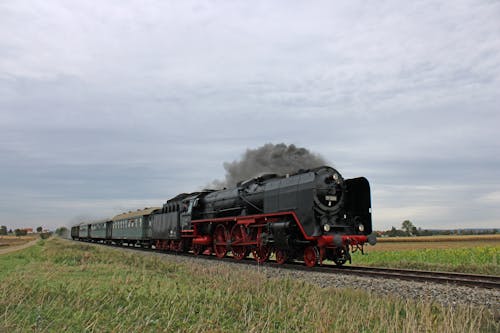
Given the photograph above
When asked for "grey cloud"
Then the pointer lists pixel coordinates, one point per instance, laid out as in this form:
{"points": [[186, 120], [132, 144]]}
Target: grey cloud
{"points": [[129, 102]]}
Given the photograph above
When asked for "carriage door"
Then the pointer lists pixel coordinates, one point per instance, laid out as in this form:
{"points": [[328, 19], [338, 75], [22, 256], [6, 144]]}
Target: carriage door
{"points": [[186, 213]]}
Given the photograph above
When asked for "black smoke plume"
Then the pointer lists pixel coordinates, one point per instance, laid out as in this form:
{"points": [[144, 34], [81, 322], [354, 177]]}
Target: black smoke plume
{"points": [[270, 158]]}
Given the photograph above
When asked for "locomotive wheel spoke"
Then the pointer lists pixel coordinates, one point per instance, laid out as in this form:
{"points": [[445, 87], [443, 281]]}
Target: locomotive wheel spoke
{"points": [[340, 256], [238, 235], [311, 256], [261, 254], [281, 256], [179, 246], [220, 246], [197, 249]]}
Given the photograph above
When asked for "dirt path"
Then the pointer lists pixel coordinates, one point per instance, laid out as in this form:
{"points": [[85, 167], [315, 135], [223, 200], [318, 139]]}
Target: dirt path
{"points": [[9, 249]]}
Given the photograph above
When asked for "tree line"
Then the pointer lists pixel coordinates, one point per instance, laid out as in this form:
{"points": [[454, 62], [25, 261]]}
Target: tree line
{"points": [[409, 229], [4, 231]]}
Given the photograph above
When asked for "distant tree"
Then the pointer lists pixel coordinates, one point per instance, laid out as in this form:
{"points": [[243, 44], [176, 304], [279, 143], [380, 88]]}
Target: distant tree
{"points": [[20, 232], [395, 232], [3, 230], [10, 231], [39, 229], [425, 232], [407, 226], [45, 235], [62, 231]]}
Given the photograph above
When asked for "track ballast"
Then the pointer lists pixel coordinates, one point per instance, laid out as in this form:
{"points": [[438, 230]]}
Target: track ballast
{"points": [[462, 279]]}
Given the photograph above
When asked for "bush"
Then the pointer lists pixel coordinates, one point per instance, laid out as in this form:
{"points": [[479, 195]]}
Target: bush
{"points": [[45, 235], [20, 232]]}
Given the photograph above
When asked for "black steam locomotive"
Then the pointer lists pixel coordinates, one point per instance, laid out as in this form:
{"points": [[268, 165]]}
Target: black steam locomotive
{"points": [[311, 215]]}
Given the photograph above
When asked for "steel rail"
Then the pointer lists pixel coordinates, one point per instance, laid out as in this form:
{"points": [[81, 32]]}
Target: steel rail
{"points": [[462, 279]]}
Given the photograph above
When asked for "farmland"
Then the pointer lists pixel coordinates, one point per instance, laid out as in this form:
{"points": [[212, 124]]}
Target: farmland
{"points": [[62, 286], [15, 240], [468, 254], [7, 241]]}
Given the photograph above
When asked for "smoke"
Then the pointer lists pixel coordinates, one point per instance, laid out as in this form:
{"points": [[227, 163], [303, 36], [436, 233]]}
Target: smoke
{"points": [[82, 218], [270, 158]]}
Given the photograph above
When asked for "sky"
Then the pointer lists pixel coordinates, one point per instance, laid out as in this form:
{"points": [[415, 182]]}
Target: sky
{"points": [[107, 106]]}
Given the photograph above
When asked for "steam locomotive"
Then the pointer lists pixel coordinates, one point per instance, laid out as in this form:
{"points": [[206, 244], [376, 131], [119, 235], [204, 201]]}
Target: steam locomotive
{"points": [[311, 215]]}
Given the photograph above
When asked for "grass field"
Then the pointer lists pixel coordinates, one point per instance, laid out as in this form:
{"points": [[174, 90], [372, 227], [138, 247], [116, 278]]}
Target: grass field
{"points": [[468, 254], [60, 286]]}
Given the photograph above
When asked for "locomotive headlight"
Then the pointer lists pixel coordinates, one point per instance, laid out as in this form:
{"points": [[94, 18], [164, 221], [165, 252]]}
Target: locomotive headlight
{"points": [[326, 227], [361, 228], [335, 176]]}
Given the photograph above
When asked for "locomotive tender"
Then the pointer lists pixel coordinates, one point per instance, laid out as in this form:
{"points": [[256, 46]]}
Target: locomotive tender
{"points": [[311, 215]]}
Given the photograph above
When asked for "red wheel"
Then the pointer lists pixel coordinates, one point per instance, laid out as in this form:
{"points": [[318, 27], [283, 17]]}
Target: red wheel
{"points": [[261, 253], [197, 249], [238, 235], [208, 251], [179, 246], [311, 256], [281, 256], [220, 239]]}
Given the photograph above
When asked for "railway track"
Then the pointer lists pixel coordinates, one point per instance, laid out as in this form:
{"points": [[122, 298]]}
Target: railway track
{"points": [[462, 279]]}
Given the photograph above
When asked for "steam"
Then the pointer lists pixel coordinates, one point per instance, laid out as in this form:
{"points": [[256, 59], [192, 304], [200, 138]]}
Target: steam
{"points": [[270, 158]]}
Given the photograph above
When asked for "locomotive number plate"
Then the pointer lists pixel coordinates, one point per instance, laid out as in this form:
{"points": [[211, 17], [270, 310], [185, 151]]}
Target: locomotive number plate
{"points": [[330, 197]]}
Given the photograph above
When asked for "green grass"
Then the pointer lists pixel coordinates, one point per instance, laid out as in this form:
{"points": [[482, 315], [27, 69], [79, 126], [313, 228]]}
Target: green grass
{"points": [[480, 260], [61, 286]]}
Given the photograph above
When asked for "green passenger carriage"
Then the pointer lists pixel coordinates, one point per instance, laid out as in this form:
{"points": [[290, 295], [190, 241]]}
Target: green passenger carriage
{"points": [[133, 227]]}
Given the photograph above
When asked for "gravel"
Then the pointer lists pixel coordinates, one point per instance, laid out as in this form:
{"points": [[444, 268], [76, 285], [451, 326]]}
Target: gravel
{"points": [[448, 295]]}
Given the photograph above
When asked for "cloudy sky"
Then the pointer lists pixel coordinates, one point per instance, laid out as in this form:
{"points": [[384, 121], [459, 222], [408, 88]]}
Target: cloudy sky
{"points": [[107, 106]]}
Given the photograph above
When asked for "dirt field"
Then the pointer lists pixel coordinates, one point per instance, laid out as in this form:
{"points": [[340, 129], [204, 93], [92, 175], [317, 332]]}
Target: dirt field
{"points": [[14, 243], [452, 238], [434, 242], [6, 241]]}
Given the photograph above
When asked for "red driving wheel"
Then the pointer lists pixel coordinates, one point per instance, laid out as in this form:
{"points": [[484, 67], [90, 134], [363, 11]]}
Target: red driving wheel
{"points": [[281, 256], [238, 235], [220, 239], [311, 256]]}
